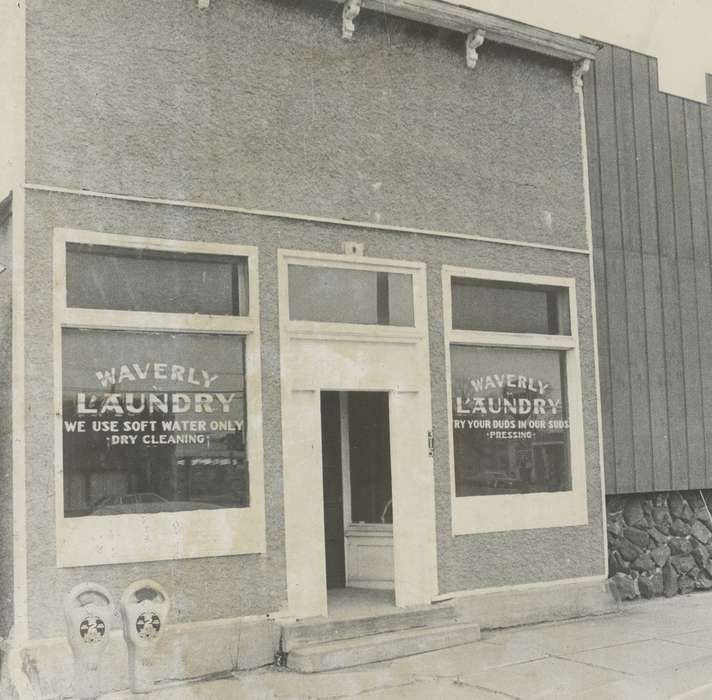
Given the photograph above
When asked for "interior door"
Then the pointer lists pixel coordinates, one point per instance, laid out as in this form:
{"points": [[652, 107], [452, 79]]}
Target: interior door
{"points": [[368, 506]]}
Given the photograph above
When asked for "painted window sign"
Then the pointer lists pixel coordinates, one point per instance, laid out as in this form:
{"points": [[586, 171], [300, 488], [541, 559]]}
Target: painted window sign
{"points": [[153, 421], [510, 420]]}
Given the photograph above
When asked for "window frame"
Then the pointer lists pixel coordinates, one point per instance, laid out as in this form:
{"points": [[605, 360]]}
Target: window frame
{"points": [[138, 537], [366, 331], [526, 511]]}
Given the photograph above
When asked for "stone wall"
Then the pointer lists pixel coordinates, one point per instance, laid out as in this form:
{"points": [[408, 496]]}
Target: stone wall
{"points": [[660, 544]]}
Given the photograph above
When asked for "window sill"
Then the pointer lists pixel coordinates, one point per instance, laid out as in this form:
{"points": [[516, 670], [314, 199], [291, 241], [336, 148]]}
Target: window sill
{"points": [[527, 511], [131, 538]]}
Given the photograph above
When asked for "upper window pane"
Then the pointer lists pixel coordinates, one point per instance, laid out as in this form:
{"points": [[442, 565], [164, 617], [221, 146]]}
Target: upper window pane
{"points": [[505, 307], [135, 279], [340, 295]]}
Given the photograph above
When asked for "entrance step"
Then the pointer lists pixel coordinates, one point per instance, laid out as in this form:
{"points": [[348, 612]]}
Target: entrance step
{"points": [[327, 656], [317, 630]]}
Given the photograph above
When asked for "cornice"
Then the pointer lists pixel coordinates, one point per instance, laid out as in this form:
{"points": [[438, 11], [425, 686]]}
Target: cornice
{"points": [[475, 23]]}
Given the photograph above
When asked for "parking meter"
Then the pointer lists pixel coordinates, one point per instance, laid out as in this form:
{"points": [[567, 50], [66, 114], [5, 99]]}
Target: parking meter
{"points": [[144, 608], [88, 611]]}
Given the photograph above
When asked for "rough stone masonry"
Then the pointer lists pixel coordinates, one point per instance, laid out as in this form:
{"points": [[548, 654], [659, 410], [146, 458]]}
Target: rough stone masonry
{"points": [[660, 544]]}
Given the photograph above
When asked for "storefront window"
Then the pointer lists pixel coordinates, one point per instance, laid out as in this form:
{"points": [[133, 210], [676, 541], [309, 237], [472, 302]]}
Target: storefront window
{"points": [[153, 422], [516, 437], [342, 295], [158, 407], [510, 420]]}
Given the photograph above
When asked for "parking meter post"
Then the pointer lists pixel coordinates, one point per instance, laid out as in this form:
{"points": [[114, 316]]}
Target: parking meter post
{"points": [[144, 609], [88, 612]]}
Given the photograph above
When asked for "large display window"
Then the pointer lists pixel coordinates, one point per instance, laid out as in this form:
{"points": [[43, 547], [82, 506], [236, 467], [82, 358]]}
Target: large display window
{"points": [[510, 420], [158, 400], [516, 431], [141, 436]]}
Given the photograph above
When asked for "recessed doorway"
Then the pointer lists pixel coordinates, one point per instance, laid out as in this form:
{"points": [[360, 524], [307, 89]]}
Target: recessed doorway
{"points": [[375, 366], [358, 505]]}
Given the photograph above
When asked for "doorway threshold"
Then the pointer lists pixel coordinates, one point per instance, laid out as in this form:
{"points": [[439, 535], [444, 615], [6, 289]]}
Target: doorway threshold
{"points": [[348, 603]]}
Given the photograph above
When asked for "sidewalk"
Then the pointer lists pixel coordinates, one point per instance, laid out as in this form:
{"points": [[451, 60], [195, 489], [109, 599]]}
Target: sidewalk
{"points": [[652, 649]]}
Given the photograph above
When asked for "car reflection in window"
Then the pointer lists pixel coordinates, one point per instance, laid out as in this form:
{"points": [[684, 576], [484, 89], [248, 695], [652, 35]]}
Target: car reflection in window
{"points": [[498, 482], [144, 503]]}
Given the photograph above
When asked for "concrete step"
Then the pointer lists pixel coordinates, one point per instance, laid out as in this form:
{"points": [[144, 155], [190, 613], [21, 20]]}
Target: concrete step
{"points": [[344, 653], [305, 632]]}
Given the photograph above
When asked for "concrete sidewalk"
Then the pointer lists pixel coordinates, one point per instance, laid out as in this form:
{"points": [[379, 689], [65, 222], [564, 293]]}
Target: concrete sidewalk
{"points": [[652, 649]]}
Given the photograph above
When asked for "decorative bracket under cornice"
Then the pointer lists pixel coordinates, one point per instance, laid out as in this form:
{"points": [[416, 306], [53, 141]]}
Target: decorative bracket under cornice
{"points": [[351, 11], [580, 69], [451, 15], [472, 43]]}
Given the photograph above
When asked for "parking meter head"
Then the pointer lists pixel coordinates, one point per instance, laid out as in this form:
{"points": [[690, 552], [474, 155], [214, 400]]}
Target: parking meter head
{"points": [[88, 611], [144, 608]]}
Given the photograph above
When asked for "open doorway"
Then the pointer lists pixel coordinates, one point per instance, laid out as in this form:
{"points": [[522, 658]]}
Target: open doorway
{"points": [[386, 367], [358, 511]]}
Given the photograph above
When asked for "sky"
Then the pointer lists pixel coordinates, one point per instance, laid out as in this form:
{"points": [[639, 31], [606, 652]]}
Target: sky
{"points": [[677, 32]]}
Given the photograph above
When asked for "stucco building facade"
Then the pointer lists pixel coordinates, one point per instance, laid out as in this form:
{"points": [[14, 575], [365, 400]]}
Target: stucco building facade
{"points": [[294, 314]]}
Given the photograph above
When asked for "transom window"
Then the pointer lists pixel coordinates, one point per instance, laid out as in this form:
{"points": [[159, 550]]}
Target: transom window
{"points": [[493, 305], [163, 281], [347, 295]]}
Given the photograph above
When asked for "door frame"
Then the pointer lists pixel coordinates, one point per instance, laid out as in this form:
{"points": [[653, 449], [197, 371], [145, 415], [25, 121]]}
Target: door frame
{"points": [[318, 356]]}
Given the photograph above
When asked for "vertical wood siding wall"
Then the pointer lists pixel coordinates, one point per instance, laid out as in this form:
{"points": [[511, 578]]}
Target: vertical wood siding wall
{"points": [[650, 167]]}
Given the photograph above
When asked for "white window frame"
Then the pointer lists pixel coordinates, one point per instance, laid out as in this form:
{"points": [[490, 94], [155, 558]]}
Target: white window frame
{"points": [[137, 537], [326, 330], [527, 511]]}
